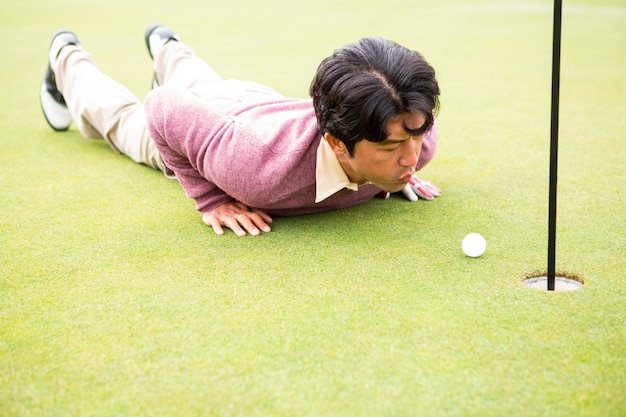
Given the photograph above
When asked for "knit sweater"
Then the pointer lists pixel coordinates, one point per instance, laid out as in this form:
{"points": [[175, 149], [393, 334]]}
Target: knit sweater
{"points": [[261, 154]]}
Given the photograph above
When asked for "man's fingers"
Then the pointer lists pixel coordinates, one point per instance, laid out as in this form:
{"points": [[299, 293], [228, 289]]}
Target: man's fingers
{"points": [[421, 192], [261, 220], [234, 225], [432, 188], [266, 217], [239, 218], [210, 220], [409, 193], [425, 189], [254, 222], [217, 229]]}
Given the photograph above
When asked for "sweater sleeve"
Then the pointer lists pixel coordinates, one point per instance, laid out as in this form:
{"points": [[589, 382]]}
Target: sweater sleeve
{"points": [[182, 127], [429, 145]]}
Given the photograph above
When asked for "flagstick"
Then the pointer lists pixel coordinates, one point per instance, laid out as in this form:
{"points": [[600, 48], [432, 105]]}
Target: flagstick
{"points": [[554, 142]]}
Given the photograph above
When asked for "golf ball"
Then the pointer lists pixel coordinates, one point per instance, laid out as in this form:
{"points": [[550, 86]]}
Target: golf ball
{"points": [[474, 245]]}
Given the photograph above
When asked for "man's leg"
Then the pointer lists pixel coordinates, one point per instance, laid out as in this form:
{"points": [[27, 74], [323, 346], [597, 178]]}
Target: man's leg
{"points": [[103, 108], [175, 64]]}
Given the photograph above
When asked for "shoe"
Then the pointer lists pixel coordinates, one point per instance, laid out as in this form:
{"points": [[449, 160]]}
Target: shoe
{"points": [[156, 37], [52, 102]]}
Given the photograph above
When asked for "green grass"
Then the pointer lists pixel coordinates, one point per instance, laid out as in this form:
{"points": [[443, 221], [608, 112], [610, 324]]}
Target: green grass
{"points": [[115, 299]]}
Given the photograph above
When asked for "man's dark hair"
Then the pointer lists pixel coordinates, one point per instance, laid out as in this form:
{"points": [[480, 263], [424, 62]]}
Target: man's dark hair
{"points": [[361, 86]]}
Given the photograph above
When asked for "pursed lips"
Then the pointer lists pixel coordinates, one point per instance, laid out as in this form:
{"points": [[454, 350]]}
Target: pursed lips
{"points": [[405, 178]]}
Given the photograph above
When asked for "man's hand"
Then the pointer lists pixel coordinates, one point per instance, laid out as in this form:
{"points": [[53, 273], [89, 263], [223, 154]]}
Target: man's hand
{"points": [[237, 217], [418, 188]]}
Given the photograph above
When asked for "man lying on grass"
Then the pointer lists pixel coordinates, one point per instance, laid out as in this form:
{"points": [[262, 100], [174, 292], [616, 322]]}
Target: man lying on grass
{"points": [[244, 152]]}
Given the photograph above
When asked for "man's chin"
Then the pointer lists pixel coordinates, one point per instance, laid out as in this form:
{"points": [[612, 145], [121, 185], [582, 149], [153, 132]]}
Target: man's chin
{"points": [[395, 188]]}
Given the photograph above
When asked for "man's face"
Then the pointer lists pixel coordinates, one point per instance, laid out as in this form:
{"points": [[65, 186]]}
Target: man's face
{"points": [[388, 164]]}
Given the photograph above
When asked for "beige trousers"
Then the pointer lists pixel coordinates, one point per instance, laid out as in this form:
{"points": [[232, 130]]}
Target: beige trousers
{"points": [[103, 108]]}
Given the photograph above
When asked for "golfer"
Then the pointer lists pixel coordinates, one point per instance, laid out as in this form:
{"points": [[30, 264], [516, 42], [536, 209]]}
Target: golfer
{"points": [[241, 150]]}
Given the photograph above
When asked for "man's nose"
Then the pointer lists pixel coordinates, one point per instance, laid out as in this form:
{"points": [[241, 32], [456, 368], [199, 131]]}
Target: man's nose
{"points": [[411, 153]]}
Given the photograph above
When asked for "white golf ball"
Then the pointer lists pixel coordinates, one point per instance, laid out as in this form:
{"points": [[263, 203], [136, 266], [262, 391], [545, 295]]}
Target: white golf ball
{"points": [[474, 245]]}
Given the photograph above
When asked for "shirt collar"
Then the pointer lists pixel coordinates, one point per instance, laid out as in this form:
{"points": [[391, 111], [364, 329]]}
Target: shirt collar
{"points": [[329, 176]]}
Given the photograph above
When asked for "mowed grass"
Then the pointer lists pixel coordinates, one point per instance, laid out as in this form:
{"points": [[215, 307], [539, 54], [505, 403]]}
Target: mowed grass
{"points": [[115, 299]]}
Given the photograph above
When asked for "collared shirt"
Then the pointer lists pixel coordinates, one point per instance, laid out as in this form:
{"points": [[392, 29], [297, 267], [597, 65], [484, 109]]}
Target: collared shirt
{"points": [[329, 176]]}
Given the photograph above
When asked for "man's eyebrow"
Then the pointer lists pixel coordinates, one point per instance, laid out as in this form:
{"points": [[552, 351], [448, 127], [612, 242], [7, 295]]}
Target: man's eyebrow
{"points": [[392, 141]]}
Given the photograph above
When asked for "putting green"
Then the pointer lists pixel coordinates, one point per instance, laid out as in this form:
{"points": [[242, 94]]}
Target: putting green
{"points": [[115, 299]]}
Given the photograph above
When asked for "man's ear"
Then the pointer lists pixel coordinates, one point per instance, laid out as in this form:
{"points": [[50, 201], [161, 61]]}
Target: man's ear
{"points": [[338, 147]]}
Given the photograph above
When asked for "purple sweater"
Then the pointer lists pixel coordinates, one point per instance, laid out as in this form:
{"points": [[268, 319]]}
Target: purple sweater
{"points": [[263, 154]]}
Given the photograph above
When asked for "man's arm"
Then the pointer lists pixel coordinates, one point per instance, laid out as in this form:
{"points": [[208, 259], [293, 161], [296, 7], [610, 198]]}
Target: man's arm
{"points": [[182, 127]]}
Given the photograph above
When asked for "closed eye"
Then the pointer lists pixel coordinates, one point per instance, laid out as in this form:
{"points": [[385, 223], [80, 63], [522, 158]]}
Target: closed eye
{"points": [[391, 144]]}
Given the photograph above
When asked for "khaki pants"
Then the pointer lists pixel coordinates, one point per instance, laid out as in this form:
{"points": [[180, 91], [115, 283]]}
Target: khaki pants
{"points": [[103, 108]]}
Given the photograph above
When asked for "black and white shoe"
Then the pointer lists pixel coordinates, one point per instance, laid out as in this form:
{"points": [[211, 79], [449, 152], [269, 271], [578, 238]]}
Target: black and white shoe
{"points": [[156, 37], [52, 102]]}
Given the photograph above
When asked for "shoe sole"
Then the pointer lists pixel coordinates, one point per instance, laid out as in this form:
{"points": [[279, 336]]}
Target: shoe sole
{"points": [[149, 31], [56, 114]]}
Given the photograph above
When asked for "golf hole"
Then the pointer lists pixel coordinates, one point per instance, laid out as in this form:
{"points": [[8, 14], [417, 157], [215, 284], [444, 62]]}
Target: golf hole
{"points": [[562, 281]]}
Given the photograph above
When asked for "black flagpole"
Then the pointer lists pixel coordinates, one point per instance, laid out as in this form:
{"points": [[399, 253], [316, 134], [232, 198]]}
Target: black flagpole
{"points": [[554, 142]]}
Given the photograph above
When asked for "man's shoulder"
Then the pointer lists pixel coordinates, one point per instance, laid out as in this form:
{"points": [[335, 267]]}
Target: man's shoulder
{"points": [[284, 125]]}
